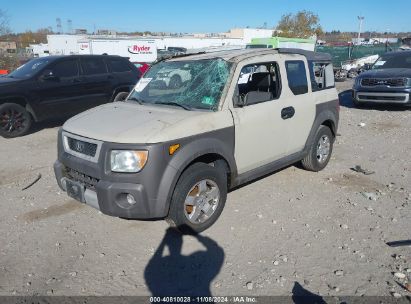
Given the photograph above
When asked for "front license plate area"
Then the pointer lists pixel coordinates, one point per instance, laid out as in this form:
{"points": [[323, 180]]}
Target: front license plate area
{"points": [[75, 190]]}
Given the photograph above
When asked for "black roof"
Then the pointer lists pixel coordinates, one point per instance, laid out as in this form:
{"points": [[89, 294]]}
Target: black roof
{"points": [[55, 57]]}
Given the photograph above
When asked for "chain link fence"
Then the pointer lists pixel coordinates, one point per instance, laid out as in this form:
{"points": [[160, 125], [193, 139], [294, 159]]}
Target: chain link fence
{"points": [[342, 54]]}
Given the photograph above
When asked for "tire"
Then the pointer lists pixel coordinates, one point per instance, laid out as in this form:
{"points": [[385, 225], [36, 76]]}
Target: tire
{"points": [[175, 82], [208, 188], [15, 121], [317, 159], [121, 96]]}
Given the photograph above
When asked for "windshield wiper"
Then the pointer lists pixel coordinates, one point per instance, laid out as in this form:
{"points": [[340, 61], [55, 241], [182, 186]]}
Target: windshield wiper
{"points": [[172, 103], [140, 101]]}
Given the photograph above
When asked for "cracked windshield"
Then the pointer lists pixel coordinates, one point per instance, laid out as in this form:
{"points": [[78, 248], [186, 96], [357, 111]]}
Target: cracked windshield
{"points": [[195, 84]]}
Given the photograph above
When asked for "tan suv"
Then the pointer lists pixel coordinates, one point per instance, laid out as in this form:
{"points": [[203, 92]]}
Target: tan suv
{"points": [[174, 151]]}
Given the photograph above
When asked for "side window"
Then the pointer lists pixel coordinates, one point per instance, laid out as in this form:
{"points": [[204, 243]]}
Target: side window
{"points": [[322, 75], [297, 77], [118, 66], [259, 82], [65, 69], [93, 66]]}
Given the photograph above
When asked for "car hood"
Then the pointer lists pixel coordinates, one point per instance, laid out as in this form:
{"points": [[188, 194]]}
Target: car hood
{"points": [[126, 122], [387, 73], [8, 80]]}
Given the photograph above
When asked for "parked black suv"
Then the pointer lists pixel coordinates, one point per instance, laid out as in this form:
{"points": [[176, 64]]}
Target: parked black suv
{"points": [[60, 86], [388, 81]]}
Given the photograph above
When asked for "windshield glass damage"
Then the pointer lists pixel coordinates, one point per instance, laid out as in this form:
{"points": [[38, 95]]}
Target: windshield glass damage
{"points": [[195, 84]]}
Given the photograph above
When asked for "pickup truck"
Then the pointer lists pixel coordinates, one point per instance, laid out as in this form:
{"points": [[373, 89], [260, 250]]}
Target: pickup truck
{"points": [[174, 152]]}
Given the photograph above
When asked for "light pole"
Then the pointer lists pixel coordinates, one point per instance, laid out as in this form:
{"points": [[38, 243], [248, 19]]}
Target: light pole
{"points": [[360, 19]]}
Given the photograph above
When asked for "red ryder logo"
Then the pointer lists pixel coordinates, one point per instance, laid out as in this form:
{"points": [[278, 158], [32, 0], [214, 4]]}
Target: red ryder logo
{"points": [[136, 49]]}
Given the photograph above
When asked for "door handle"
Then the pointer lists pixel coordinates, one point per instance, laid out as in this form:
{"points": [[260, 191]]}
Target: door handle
{"points": [[287, 113], [76, 80]]}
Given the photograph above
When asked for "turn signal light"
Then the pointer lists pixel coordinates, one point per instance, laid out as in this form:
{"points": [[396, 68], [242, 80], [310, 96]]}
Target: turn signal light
{"points": [[173, 148]]}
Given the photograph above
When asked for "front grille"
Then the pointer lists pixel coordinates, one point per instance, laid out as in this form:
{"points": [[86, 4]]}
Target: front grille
{"points": [[390, 82], [88, 181], [82, 147]]}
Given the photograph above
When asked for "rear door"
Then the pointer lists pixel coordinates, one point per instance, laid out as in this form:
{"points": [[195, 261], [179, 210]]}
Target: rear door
{"points": [[124, 74], [96, 81], [299, 99]]}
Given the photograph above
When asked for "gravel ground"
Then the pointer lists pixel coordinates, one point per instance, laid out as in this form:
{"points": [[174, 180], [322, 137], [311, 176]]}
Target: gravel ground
{"points": [[289, 232]]}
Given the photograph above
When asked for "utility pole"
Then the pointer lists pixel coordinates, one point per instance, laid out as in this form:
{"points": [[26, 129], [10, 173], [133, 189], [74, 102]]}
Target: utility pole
{"points": [[360, 19]]}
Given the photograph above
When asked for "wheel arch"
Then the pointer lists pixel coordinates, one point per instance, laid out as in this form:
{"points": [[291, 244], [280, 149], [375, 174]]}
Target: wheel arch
{"points": [[324, 116], [210, 151], [122, 88], [330, 124], [20, 100]]}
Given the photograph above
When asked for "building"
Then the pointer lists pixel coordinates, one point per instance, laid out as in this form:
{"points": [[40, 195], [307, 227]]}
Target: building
{"points": [[106, 32], [8, 47], [246, 34], [77, 44], [80, 32]]}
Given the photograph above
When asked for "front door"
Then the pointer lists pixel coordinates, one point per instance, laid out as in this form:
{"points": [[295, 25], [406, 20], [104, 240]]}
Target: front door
{"points": [[59, 89], [261, 135]]}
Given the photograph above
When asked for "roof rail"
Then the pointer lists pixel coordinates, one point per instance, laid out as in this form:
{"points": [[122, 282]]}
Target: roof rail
{"points": [[310, 55], [176, 56]]}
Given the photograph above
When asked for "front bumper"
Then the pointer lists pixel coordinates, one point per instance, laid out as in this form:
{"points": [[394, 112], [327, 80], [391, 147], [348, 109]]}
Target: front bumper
{"points": [[110, 197], [382, 97], [107, 191]]}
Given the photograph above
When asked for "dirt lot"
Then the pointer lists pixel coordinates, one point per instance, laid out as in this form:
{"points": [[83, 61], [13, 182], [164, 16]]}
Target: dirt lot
{"points": [[290, 231]]}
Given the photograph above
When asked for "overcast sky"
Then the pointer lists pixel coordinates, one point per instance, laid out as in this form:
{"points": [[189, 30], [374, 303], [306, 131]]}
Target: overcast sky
{"points": [[203, 16]]}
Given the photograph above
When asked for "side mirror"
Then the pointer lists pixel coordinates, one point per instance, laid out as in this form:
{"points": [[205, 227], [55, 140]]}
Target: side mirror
{"points": [[238, 101], [49, 76]]}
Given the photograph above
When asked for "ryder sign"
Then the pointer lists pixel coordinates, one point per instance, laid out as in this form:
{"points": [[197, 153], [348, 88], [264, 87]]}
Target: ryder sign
{"points": [[138, 50]]}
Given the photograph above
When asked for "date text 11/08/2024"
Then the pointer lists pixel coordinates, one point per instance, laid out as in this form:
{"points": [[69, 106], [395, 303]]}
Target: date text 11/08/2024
{"points": [[239, 299]]}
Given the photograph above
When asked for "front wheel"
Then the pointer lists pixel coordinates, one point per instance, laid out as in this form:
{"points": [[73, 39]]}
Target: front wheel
{"points": [[198, 199], [121, 96], [320, 151], [14, 120]]}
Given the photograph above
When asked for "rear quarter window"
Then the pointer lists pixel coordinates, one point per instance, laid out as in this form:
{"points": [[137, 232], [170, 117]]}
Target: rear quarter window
{"points": [[322, 75], [118, 66], [297, 76]]}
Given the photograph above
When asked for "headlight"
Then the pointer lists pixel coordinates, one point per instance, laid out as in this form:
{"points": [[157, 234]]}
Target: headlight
{"points": [[128, 161]]}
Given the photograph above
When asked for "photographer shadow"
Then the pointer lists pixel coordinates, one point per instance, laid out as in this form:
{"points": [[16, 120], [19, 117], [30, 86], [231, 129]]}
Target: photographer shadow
{"points": [[183, 275], [300, 295]]}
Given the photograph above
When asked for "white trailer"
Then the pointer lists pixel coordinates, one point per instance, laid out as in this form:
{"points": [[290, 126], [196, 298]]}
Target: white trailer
{"points": [[63, 44], [137, 50]]}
